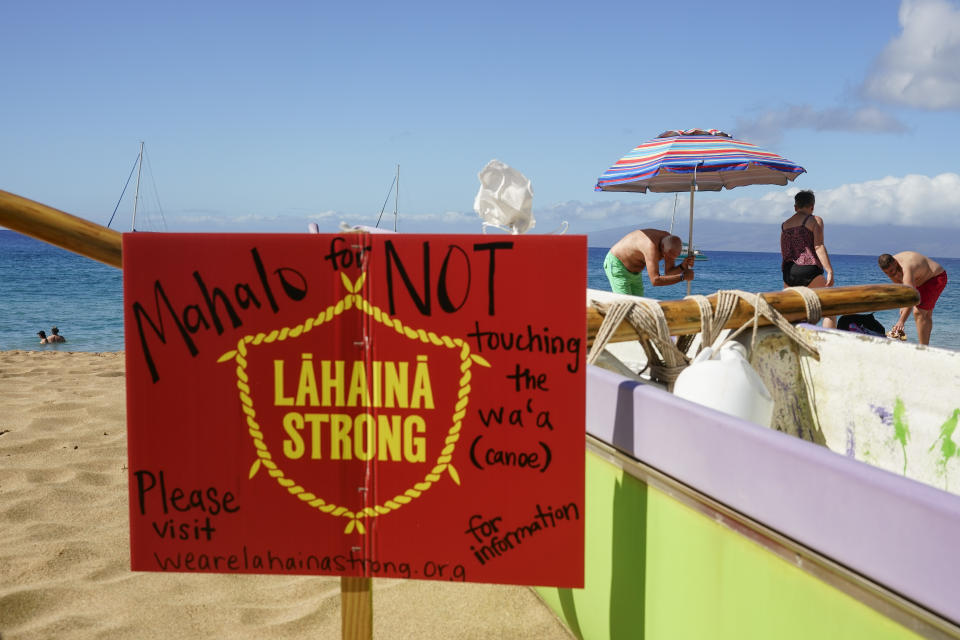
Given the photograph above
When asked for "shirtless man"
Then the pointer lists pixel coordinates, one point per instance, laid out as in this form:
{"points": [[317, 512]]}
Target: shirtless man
{"points": [[924, 275], [645, 248], [55, 336]]}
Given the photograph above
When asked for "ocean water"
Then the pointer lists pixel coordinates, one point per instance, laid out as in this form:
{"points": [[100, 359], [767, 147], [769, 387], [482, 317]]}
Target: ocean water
{"points": [[42, 286]]}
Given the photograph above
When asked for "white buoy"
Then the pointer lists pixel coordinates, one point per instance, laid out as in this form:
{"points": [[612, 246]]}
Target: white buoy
{"points": [[725, 381]]}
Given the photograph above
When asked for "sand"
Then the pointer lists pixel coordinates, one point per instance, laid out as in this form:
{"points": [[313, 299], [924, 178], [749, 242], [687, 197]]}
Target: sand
{"points": [[64, 551]]}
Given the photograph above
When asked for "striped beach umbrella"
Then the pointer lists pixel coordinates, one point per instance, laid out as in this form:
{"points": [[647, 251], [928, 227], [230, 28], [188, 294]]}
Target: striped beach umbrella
{"points": [[696, 159]]}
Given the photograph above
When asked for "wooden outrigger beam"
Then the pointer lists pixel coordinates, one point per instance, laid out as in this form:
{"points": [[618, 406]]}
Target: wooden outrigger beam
{"points": [[62, 229], [683, 316]]}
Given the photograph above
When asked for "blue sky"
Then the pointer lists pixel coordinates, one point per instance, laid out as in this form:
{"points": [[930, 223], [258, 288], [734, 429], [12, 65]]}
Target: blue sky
{"points": [[267, 116]]}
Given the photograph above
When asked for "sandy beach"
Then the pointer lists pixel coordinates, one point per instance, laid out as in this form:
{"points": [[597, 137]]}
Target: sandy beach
{"points": [[64, 557]]}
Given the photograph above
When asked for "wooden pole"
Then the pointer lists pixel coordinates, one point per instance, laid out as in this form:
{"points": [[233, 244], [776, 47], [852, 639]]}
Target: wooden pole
{"points": [[356, 608], [62, 229], [693, 188], [683, 316]]}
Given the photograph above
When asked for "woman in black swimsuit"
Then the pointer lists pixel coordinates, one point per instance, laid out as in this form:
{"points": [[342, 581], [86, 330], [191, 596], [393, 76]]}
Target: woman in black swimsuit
{"points": [[806, 262]]}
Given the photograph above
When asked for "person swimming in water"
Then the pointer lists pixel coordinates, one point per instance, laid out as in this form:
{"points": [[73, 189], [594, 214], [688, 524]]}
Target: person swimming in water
{"points": [[51, 339]]}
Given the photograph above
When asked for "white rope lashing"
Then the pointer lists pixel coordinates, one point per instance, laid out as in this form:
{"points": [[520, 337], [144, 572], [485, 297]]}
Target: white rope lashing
{"points": [[665, 360]]}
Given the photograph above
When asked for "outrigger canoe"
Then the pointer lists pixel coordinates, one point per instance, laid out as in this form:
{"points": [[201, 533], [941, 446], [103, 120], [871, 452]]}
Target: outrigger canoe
{"points": [[839, 520]]}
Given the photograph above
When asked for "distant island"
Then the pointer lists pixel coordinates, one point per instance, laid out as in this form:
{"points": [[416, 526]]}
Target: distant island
{"points": [[713, 235]]}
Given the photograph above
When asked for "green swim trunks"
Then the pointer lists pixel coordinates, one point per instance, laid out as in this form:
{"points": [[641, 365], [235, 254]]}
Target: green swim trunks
{"points": [[622, 280]]}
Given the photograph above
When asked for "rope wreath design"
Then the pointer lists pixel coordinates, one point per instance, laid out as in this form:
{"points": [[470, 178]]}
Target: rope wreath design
{"points": [[354, 299]]}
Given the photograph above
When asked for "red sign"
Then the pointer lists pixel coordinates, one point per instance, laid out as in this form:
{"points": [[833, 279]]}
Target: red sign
{"points": [[398, 406]]}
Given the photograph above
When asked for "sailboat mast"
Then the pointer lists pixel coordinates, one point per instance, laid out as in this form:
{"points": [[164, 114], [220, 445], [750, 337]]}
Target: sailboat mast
{"points": [[136, 195], [396, 199]]}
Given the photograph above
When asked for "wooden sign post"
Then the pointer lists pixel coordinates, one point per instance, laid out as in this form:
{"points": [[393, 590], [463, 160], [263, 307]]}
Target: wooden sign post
{"points": [[356, 608], [365, 406]]}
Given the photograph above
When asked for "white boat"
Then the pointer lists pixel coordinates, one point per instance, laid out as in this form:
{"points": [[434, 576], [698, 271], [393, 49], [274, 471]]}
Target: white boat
{"points": [[697, 254]]}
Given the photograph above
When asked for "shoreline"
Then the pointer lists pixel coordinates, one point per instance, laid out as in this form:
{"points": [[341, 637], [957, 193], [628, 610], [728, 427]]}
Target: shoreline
{"points": [[64, 562]]}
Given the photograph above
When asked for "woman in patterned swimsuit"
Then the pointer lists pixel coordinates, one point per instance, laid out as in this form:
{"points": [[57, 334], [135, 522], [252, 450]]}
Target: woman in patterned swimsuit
{"points": [[806, 262]]}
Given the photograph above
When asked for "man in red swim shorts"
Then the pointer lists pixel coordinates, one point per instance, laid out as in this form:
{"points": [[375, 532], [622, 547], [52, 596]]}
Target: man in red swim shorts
{"points": [[923, 274]]}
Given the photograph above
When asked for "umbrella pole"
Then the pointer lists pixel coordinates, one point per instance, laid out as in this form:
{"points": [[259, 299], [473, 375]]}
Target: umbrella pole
{"points": [[693, 187]]}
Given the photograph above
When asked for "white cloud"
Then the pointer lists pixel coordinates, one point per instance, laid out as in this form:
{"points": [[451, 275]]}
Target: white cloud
{"points": [[921, 66], [598, 211], [767, 128], [634, 208], [198, 221], [444, 222], [913, 200]]}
